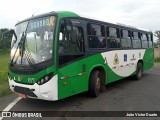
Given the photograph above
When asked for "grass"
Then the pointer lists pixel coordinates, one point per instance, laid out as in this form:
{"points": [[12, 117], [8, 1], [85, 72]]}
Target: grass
{"points": [[157, 60], [4, 87]]}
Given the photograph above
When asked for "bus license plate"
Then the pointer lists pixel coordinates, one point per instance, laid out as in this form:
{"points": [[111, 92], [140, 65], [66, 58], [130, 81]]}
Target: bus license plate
{"points": [[22, 95]]}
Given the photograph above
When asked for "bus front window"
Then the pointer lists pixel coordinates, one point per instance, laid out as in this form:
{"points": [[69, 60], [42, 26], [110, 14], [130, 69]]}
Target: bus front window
{"points": [[38, 42]]}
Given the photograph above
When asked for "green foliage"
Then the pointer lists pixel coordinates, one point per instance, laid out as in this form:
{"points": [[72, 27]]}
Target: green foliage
{"points": [[157, 34], [4, 87], [5, 41], [155, 45], [157, 60]]}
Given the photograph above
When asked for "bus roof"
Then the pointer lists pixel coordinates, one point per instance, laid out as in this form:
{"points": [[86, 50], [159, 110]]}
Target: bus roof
{"points": [[62, 14], [55, 13]]}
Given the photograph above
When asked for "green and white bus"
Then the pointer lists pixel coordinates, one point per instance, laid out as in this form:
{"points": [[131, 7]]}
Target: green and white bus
{"points": [[60, 54]]}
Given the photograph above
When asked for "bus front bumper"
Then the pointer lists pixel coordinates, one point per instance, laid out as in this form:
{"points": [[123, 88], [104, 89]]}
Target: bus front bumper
{"points": [[47, 91]]}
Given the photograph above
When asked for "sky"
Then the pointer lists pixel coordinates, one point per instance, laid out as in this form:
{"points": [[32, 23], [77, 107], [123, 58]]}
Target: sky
{"points": [[138, 13]]}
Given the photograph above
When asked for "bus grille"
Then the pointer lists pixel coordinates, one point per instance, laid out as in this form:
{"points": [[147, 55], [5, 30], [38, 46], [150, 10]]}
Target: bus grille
{"points": [[25, 91]]}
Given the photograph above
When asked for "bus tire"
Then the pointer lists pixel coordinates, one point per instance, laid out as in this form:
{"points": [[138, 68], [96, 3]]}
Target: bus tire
{"points": [[139, 71], [95, 83]]}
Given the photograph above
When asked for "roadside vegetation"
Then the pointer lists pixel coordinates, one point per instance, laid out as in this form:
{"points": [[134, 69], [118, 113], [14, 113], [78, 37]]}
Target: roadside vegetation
{"points": [[4, 87], [5, 44], [157, 59]]}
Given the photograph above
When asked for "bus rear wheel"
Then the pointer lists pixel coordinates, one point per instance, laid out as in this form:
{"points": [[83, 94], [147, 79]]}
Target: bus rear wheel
{"points": [[96, 83], [139, 71]]}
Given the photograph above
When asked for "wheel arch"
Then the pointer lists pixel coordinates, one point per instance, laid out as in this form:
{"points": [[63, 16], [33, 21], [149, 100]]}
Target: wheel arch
{"points": [[141, 61]]}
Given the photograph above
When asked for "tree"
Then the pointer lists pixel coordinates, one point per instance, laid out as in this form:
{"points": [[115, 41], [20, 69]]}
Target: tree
{"points": [[5, 42], [157, 34], [155, 45]]}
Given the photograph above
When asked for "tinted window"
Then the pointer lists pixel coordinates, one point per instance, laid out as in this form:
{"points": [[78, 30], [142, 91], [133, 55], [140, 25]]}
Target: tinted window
{"points": [[70, 48], [112, 32], [135, 35], [143, 36], [112, 39], [136, 42], [126, 43], [144, 44], [67, 45], [79, 38], [97, 42], [144, 40], [96, 35], [114, 43], [94, 29], [126, 40], [149, 37], [125, 34], [150, 41]]}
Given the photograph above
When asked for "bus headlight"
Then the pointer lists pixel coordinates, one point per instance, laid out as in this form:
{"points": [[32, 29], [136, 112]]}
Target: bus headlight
{"points": [[42, 81], [38, 82], [45, 79]]}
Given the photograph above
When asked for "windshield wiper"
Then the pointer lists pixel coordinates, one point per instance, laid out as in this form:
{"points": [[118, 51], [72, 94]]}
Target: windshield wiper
{"points": [[21, 46], [14, 33]]}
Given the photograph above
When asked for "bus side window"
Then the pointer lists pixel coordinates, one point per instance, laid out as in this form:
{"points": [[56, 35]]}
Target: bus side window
{"points": [[125, 39], [144, 40], [70, 49], [79, 38], [113, 39], [136, 42], [66, 44], [96, 36], [149, 36], [62, 35]]}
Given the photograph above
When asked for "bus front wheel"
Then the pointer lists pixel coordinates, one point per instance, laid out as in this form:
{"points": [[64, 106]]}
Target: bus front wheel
{"points": [[139, 71]]}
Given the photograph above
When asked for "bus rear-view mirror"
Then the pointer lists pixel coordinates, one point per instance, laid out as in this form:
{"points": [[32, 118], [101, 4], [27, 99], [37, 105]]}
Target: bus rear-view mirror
{"points": [[11, 32], [60, 36]]}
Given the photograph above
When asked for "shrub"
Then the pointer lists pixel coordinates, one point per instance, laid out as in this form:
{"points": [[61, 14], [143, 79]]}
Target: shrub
{"points": [[157, 59]]}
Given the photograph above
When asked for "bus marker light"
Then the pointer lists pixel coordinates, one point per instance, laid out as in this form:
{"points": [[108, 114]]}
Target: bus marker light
{"points": [[64, 77], [64, 83], [81, 73]]}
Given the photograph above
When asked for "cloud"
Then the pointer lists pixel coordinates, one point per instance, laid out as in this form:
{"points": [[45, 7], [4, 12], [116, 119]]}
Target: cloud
{"points": [[144, 14]]}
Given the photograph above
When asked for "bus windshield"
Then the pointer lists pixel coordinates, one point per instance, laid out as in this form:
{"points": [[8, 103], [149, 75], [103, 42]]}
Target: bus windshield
{"points": [[37, 45]]}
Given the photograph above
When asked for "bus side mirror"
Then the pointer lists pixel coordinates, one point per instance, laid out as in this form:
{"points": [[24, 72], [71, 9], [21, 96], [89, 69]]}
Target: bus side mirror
{"points": [[73, 34], [60, 36], [68, 22], [5, 34]]}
